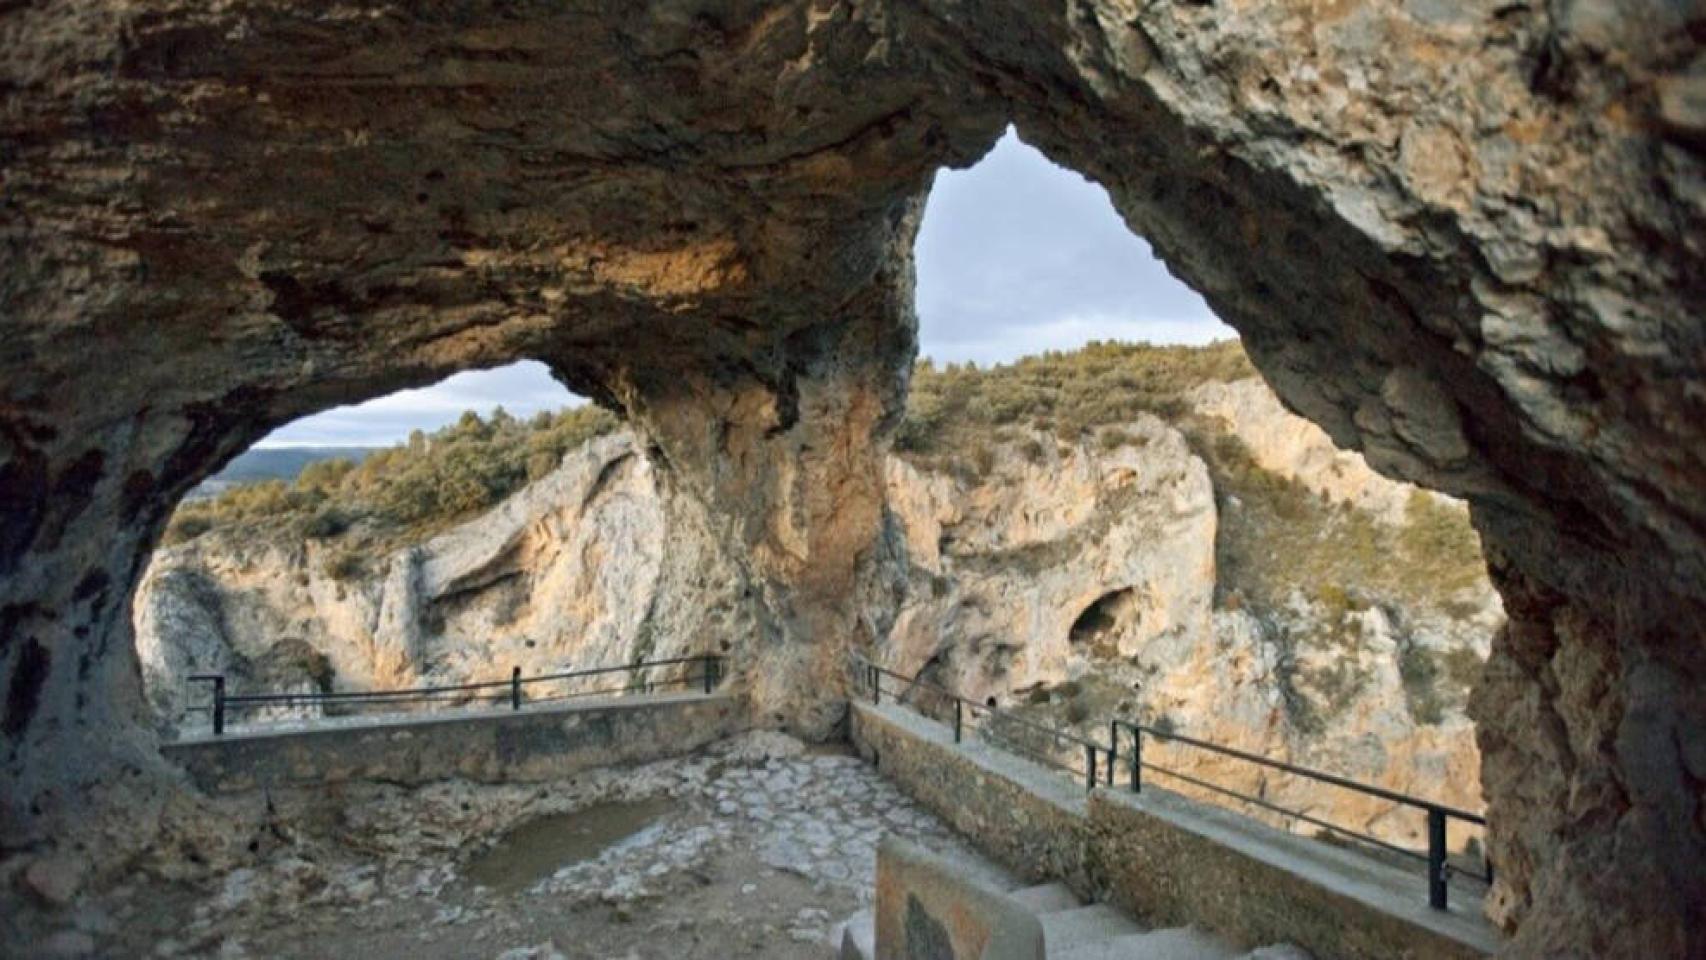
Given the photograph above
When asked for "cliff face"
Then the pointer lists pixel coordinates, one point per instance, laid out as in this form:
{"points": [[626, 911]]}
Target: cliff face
{"points": [[598, 563], [1075, 577], [1123, 574]]}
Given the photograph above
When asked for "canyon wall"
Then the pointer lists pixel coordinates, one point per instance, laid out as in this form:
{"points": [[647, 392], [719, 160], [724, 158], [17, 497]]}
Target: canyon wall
{"points": [[599, 563], [1070, 576]]}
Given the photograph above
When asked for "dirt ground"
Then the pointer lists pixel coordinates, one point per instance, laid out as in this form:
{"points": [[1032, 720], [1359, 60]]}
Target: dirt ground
{"points": [[757, 849]]}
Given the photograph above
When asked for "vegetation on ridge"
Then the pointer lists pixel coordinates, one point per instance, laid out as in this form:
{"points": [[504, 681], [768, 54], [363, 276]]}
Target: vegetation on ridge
{"points": [[1278, 544], [1068, 393], [406, 491]]}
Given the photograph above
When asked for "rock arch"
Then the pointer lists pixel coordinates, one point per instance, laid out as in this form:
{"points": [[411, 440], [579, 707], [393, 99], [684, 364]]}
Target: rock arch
{"points": [[1464, 238]]}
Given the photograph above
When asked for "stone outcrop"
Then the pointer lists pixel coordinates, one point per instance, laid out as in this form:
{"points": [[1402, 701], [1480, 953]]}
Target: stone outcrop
{"points": [[1463, 238], [599, 563], [1076, 577], [1081, 581]]}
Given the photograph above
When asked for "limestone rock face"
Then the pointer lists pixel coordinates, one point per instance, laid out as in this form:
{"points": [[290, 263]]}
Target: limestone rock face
{"points": [[1291, 446], [1075, 577], [1002, 569], [1464, 238], [596, 564], [1081, 582]]}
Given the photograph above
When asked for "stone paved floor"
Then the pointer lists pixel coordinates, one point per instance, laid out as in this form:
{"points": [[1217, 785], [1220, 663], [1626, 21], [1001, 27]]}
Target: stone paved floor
{"points": [[761, 849]]}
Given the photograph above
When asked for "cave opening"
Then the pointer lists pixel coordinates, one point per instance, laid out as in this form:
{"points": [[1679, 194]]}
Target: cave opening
{"points": [[1141, 528], [1104, 615], [298, 567], [1475, 320]]}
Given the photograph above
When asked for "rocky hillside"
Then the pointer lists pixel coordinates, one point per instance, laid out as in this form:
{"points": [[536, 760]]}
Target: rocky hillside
{"points": [[1180, 549]]}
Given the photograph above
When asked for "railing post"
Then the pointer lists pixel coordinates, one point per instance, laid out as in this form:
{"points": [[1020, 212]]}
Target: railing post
{"points": [[218, 681], [219, 705], [1136, 758], [1436, 858], [876, 685], [1090, 766], [958, 706], [708, 680], [515, 689], [1113, 749]]}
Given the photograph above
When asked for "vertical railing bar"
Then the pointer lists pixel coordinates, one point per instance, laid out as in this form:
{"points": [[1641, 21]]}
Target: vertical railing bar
{"points": [[1136, 758], [1436, 859], [515, 689], [1113, 749], [218, 710]]}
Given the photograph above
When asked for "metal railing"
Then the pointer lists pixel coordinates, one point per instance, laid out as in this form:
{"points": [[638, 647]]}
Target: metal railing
{"points": [[1440, 867], [512, 691], [997, 725]]}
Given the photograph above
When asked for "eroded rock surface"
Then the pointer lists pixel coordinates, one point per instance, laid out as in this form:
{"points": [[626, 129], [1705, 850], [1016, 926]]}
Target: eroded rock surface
{"points": [[1088, 578], [1464, 238], [601, 562]]}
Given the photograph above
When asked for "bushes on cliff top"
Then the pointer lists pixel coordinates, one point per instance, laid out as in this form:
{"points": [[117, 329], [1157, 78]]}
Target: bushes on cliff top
{"points": [[1277, 536], [952, 407], [407, 490]]}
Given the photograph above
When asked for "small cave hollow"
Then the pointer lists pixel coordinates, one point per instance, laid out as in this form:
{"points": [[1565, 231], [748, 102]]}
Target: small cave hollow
{"points": [[1100, 624]]}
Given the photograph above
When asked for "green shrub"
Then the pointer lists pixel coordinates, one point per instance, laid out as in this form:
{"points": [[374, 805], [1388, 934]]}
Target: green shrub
{"points": [[1077, 711], [1069, 393], [345, 565], [1114, 438], [325, 523], [1463, 668], [1420, 672], [186, 525]]}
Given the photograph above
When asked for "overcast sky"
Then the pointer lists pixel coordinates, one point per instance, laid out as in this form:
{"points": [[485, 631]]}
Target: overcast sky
{"points": [[1016, 256]]}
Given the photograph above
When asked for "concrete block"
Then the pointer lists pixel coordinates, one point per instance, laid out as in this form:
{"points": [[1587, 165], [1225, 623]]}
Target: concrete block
{"points": [[934, 907]]}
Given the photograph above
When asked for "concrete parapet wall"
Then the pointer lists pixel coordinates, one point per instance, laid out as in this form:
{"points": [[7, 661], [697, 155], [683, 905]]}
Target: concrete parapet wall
{"points": [[1033, 823], [932, 905], [1168, 860], [489, 746]]}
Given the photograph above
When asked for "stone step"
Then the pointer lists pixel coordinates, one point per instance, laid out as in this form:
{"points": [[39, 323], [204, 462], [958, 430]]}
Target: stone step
{"points": [[1177, 943], [858, 938], [1047, 898], [1066, 929]]}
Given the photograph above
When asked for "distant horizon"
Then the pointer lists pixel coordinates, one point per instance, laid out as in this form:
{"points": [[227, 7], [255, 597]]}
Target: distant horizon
{"points": [[1015, 257], [573, 400]]}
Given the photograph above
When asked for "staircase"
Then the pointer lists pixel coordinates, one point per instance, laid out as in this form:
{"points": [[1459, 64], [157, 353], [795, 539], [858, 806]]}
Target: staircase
{"points": [[1074, 931]]}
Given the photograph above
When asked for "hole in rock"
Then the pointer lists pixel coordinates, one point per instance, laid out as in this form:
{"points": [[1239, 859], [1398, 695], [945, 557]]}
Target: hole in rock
{"points": [[1109, 613], [1107, 486], [361, 549]]}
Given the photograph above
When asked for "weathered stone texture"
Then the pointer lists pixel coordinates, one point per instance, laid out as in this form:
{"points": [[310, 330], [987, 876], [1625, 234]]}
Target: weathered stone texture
{"points": [[1466, 238], [600, 563]]}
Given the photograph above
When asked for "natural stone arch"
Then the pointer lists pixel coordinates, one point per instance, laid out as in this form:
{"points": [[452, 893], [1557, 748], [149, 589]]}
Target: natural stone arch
{"points": [[702, 212]]}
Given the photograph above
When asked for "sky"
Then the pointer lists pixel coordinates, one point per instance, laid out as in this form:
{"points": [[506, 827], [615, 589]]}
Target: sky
{"points": [[1015, 256]]}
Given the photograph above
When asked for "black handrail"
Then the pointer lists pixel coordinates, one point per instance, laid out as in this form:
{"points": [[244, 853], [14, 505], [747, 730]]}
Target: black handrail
{"points": [[873, 677], [1439, 865], [222, 703], [1324, 777]]}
